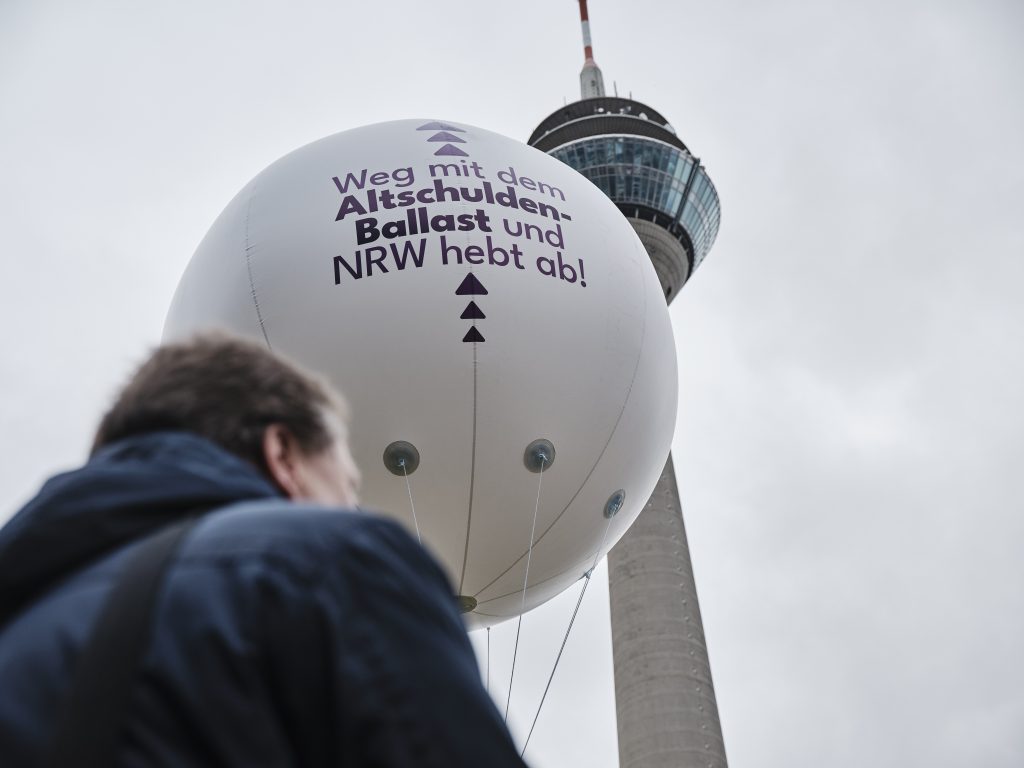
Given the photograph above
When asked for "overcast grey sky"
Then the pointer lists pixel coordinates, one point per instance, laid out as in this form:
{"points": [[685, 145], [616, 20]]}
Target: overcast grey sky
{"points": [[851, 435]]}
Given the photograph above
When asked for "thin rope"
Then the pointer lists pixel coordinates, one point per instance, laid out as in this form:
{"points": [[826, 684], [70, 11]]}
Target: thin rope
{"points": [[408, 487], [552, 675], [565, 639], [526, 577]]}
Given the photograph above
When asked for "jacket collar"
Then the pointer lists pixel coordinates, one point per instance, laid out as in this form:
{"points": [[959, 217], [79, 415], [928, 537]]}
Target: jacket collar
{"points": [[126, 490]]}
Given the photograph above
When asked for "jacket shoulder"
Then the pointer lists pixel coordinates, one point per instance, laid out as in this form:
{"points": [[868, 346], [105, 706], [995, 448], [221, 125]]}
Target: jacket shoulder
{"points": [[308, 541]]}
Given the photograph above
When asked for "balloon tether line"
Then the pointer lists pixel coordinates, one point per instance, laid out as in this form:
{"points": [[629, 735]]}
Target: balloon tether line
{"points": [[526, 577], [408, 487], [565, 639]]}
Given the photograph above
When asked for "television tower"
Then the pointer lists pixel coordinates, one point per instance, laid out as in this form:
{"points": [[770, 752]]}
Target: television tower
{"points": [[664, 697]]}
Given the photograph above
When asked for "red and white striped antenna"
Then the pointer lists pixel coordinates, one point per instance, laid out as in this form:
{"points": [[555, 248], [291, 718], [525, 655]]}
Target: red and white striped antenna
{"points": [[591, 80]]}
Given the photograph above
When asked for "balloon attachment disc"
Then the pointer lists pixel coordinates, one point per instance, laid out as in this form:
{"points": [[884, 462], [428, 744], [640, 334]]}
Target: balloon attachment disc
{"points": [[401, 458], [539, 455], [614, 503]]}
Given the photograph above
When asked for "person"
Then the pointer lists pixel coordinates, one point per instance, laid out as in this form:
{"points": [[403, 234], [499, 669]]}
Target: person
{"points": [[289, 629]]}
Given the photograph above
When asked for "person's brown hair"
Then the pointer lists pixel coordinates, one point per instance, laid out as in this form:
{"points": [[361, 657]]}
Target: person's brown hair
{"points": [[226, 390]]}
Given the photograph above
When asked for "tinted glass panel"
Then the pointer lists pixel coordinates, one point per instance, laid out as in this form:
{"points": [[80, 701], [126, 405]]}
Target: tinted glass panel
{"points": [[631, 169]]}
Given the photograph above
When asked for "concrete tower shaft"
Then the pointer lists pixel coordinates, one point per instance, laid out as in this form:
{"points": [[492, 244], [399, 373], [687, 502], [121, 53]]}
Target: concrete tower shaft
{"points": [[664, 696]]}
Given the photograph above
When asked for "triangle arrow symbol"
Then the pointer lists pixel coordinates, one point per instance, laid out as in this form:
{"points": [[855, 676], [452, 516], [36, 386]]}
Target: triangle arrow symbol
{"points": [[470, 286], [472, 312], [450, 149], [435, 126], [473, 335], [445, 136]]}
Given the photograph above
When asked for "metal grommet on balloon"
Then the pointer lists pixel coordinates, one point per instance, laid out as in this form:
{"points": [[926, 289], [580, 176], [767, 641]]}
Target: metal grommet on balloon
{"points": [[401, 458], [614, 503], [466, 603], [539, 455]]}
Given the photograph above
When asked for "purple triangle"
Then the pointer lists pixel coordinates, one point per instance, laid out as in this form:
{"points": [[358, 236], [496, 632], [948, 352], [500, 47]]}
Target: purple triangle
{"points": [[445, 136], [473, 312], [473, 335], [449, 149], [470, 286], [440, 127]]}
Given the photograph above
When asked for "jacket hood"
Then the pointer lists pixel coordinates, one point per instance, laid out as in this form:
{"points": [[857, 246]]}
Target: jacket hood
{"points": [[127, 490]]}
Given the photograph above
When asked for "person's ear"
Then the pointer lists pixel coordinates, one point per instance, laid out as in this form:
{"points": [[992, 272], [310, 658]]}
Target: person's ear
{"points": [[281, 456]]}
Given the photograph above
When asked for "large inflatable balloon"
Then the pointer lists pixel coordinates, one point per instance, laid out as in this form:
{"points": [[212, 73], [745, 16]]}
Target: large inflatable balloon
{"points": [[495, 324]]}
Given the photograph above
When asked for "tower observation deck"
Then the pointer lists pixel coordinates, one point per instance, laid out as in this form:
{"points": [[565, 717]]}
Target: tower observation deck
{"points": [[664, 696], [633, 154]]}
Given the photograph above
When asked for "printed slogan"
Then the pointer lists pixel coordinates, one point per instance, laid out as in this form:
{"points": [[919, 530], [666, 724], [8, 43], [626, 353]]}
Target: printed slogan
{"points": [[397, 225]]}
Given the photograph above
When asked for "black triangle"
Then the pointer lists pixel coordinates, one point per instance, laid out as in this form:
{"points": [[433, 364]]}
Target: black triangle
{"points": [[436, 126], [472, 312], [473, 335], [450, 150], [445, 136], [471, 287]]}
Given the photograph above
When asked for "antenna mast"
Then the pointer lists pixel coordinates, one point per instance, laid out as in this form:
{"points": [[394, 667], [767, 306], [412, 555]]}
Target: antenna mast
{"points": [[591, 80]]}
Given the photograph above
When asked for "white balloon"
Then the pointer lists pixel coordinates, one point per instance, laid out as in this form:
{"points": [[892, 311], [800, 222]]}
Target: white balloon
{"points": [[357, 255]]}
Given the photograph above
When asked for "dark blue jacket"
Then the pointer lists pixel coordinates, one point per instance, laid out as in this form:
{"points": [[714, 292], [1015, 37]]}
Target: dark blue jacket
{"points": [[283, 635]]}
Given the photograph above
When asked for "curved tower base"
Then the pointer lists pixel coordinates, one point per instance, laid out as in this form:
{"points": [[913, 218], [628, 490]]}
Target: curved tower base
{"points": [[664, 698]]}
